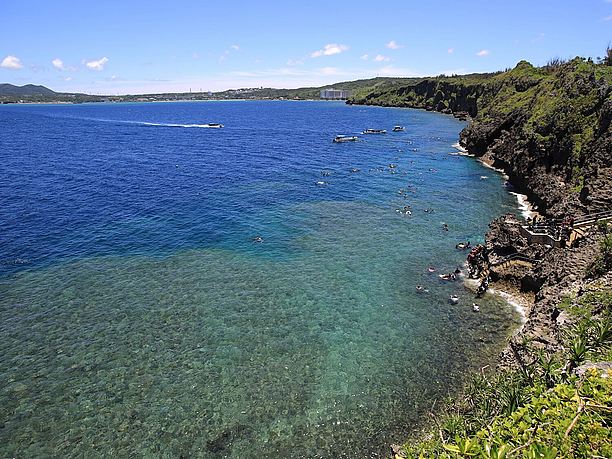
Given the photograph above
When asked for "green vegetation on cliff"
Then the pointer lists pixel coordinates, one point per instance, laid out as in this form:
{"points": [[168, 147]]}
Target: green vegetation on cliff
{"points": [[547, 127], [544, 408]]}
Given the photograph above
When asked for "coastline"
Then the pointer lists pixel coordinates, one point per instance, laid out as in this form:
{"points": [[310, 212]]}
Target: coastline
{"points": [[521, 302], [526, 208], [553, 284]]}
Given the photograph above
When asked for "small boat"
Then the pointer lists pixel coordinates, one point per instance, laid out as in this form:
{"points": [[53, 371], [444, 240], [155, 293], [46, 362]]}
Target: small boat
{"points": [[375, 131], [454, 299], [345, 138], [398, 128], [214, 125]]}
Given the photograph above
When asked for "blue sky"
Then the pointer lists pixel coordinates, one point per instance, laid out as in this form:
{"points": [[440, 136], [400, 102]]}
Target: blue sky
{"points": [[119, 47]]}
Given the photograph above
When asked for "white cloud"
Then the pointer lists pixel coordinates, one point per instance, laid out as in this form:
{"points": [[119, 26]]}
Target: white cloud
{"points": [[450, 50], [608, 18], [68, 78], [97, 65], [365, 57], [290, 72], [58, 64], [292, 62], [483, 53], [392, 71], [330, 71], [393, 45], [381, 58], [226, 53], [329, 50], [11, 62]]}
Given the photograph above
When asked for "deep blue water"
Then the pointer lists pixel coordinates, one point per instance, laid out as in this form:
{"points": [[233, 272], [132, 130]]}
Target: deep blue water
{"points": [[139, 317]]}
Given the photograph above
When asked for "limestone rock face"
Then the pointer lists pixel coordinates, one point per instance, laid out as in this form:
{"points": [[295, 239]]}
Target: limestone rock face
{"points": [[504, 237]]}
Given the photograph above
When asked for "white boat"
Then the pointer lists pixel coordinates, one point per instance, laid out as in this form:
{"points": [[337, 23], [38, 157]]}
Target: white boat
{"points": [[345, 138], [375, 131], [454, 299], [398, 128], [214, 125]]}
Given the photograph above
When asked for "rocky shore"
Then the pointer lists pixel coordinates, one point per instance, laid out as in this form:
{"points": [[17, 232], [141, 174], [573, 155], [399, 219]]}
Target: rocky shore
{"points": [[560, 273], [544, 171]]}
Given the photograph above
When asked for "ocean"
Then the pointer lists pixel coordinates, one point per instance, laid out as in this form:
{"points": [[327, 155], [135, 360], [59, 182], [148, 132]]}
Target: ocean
{"points": [[170, 290]]}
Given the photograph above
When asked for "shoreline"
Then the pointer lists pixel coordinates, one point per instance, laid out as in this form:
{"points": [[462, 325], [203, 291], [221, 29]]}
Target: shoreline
{"points": [[542, 279], [520, 302]]}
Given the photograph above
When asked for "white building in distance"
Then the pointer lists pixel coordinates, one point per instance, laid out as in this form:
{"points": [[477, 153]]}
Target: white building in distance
{"points": [[334, 94]]}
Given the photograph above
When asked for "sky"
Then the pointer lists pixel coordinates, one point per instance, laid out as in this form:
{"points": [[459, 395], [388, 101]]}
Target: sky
{"points": [[135, 47]]}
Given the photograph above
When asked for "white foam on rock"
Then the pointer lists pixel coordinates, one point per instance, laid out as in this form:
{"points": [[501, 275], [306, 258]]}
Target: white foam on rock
{"points": [[519, 307], [460, 150], [524, 205]]}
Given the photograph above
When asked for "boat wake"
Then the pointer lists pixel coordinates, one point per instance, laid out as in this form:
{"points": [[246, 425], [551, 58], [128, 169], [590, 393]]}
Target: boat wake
{"points": [[209, 126], [148, 123]]}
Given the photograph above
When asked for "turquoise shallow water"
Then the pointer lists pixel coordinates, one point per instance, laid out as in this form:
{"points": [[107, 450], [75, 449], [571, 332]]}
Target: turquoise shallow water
{"points": [[139, 318]]}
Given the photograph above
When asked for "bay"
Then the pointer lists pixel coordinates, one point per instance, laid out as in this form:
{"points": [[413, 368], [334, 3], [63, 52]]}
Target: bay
{"points": [[140, 316]]}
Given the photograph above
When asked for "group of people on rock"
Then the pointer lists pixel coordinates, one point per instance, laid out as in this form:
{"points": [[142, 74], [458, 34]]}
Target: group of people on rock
{"points": [[477, 259]]}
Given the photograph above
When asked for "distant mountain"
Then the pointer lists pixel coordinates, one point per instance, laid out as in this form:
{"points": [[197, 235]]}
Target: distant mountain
{"points": [[26, 90]]}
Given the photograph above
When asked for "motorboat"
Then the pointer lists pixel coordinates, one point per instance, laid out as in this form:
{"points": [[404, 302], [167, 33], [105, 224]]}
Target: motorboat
{"points": [[375, 131], [345, 138], [214, 125], [454, 299], [398, 128]]}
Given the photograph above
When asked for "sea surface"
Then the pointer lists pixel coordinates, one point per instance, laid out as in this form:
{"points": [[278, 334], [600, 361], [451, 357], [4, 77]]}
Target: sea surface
{"points": [[169, 290]]}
